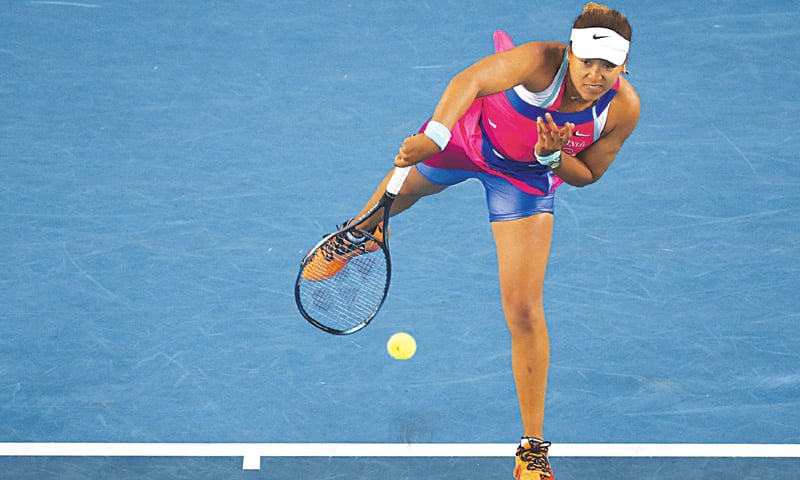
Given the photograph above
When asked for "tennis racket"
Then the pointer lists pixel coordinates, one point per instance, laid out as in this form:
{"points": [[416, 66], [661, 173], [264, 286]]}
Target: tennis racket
{"points": [[344, 279]]}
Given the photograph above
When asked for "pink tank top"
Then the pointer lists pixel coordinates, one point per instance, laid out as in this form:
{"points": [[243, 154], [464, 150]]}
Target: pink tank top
{"points": [[501, 128]]}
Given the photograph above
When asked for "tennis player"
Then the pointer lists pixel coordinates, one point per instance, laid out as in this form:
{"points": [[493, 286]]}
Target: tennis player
{"points": [[522, 121]]}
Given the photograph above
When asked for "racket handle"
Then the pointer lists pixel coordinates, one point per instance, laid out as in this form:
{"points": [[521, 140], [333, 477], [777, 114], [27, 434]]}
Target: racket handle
{"points": [[396, 182]]}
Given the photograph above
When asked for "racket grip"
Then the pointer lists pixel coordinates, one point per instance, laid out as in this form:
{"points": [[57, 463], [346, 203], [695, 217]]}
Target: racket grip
{"points": [[396, 182]]}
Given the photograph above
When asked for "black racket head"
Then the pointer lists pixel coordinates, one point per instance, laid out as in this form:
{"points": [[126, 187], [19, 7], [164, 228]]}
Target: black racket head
{"points": [[341, 285]]}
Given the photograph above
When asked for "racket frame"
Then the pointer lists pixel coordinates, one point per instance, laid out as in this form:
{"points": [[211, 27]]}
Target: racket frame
{"points": [[392, 189]]}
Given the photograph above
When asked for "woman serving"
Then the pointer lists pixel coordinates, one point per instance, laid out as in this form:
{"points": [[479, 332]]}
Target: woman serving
{"points": [[522, 122]]}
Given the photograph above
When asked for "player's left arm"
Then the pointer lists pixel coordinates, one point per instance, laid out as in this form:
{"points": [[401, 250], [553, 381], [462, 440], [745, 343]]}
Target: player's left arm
{"points": [[592, 163]]}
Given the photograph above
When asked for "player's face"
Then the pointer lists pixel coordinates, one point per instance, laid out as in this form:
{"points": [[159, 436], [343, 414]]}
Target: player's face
{"points": [[592, 77]]}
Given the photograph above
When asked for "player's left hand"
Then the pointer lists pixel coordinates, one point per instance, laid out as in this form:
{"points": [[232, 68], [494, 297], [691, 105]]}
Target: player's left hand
{"points": [[551, 137]]}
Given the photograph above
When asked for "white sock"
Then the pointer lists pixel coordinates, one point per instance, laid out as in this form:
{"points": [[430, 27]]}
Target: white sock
{"points": [[353, 237], [527, 440]]}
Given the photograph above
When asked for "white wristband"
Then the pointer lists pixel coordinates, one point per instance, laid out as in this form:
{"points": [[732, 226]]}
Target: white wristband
{"points": [[437, 132], [547, 160]]}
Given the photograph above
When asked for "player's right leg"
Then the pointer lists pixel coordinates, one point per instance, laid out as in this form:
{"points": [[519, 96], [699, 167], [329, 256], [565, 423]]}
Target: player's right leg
{"points": [[339, 250], [415, 187]]}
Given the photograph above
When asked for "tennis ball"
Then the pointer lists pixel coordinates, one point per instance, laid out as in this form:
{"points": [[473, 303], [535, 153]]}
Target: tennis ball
{"points": [[401, 346]]}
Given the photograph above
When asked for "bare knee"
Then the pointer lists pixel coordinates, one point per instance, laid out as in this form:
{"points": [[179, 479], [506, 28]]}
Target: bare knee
{"points": [[525, 317]]}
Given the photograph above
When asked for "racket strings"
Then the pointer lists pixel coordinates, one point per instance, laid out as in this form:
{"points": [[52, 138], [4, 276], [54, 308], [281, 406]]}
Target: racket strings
{"points": [[344, 287], [340, 247]]}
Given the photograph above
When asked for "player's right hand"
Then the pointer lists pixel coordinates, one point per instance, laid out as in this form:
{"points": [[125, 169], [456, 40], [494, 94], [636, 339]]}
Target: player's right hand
{"points": [[415, 149]]}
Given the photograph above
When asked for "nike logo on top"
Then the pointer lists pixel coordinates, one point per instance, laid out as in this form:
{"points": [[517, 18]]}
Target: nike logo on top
{"points": [[598, 37]]}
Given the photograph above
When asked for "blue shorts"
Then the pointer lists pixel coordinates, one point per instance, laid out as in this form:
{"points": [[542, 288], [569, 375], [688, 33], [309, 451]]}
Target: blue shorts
{"points": [[505, 201]]}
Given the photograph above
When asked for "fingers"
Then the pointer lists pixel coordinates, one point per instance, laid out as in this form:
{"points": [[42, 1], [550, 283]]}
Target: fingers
{"points": [[550, 135], [415, 149], [551, 124], [401, 161], [548, 125], [403, 154]]}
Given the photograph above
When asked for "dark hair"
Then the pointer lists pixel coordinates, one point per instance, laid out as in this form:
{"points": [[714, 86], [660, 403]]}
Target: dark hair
{"points": [[596, 15]]}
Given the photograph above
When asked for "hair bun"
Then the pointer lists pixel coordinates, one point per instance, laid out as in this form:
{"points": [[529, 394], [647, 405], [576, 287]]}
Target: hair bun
{"points": [[595, 6]]}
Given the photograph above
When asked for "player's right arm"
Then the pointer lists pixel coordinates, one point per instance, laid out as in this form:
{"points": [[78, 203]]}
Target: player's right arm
{"points": [[531, 64]]}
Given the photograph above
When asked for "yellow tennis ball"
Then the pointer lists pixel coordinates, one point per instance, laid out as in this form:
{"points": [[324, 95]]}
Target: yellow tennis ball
{"points": [[401, 346]]}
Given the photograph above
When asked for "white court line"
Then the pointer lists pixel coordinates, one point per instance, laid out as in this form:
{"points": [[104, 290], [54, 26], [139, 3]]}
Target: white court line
{"points": [[66, 4], [253, 452]]}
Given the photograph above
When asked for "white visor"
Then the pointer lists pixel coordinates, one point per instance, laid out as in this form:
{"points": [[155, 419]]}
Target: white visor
{"points": [[600, 43]]}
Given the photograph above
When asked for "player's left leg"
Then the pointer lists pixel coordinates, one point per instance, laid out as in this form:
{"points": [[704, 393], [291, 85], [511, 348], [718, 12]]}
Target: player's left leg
{"points": [[523, 249]]}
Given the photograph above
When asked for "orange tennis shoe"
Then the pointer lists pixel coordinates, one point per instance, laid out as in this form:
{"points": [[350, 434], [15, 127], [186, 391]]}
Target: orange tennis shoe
{"points": [[334, 254], [532, 462]]}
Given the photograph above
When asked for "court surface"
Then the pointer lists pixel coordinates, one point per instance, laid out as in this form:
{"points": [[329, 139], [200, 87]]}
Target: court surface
{"points": [[165, 166]]}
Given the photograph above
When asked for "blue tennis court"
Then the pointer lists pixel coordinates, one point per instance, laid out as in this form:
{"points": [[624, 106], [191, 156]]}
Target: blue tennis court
{"points": [[167, 164]]}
